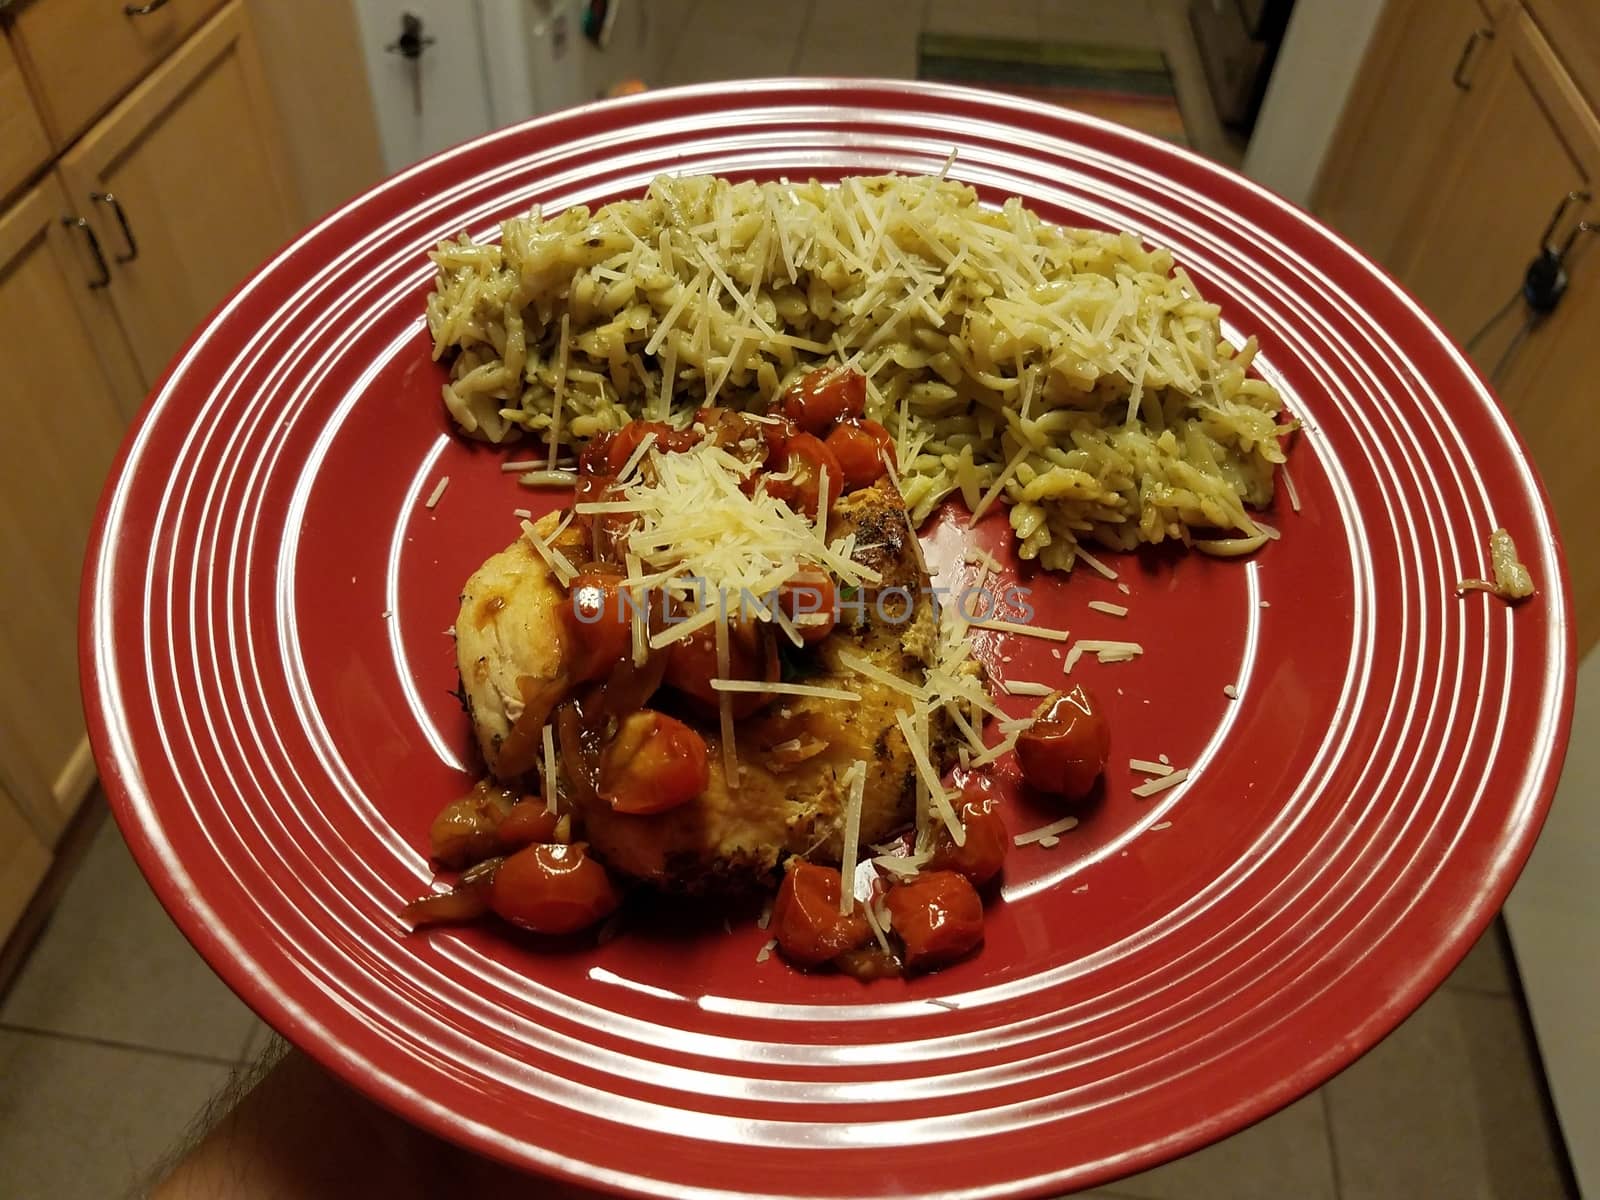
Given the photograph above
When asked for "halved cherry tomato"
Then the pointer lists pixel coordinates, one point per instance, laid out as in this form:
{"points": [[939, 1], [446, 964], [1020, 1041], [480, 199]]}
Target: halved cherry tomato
{"points": [[937, 916], [820, 398], [599, 618], [553, 889], [1065, 749], [806, 919], [983, 853], [800, 464], [655, 763], [464, 830], [810, 600], [860, 446], [752, 654], [529, 821]]}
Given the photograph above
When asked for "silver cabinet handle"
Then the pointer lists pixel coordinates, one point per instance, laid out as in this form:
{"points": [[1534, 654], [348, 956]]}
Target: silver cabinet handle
{"points": [[1459, 75], [122, 220], [94, 249], [142, 10]]}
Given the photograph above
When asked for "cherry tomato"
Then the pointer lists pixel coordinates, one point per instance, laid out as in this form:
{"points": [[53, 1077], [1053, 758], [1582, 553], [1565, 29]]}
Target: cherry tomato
{"points": [[860, 446], [980, 857], [464, 830], [529, 821], [626, 440], [595, 458], [1065, 749], [800, 464], [655, 763], [553, 889], [599, 619], [820, 398], [806, 919], [811, 602], [937, 916], [752, 654]]}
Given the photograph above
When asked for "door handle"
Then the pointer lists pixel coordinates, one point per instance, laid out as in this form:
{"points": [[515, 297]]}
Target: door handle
{"points": [[1459, 75], [94, 249], [122, 220]]}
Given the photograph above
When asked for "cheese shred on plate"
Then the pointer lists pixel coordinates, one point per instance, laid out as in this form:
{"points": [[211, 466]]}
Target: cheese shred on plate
{"points": [[1076, 378]]}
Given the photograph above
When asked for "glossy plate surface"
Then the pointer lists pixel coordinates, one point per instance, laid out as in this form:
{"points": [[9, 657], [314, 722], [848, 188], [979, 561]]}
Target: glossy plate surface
{"points": [[267, 676]]}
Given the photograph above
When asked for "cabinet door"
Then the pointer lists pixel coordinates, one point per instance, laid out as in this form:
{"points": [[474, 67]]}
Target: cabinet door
{"points": [[1529, 138], [1525, 140], [83, 54], [1393, 130], [194, 159], [23, 145], [60, 364]]}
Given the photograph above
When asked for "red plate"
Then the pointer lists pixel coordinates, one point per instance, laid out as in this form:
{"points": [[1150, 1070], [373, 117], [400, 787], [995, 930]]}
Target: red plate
{"points": [[267, 678]]}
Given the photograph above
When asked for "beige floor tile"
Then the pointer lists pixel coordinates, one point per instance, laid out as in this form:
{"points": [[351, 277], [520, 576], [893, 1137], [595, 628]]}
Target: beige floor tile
{"points": [[889, 57], [1448, 1105], [728, 56], [866, 18], [779, 24], [1123, 22], [112, 966], [1488, 965], [1284, 1156], [985, 18], [90, 1121]]}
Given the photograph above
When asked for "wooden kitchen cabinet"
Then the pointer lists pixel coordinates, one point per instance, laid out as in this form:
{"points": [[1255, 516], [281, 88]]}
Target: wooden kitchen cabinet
{"points": [[1393, 128], [172, 115], [83, 54], [1522, 137], [64, 366], [23, 144], [193, 157]]}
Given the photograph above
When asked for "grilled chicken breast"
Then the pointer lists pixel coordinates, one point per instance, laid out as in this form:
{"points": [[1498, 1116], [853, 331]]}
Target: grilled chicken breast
{"points": [[793, 755], [510, 652]]}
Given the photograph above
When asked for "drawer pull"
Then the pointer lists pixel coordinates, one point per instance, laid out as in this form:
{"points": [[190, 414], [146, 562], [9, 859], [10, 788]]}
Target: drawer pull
{"points": [[94, 249], [122, 220], [143, 10], [1459, 75]]}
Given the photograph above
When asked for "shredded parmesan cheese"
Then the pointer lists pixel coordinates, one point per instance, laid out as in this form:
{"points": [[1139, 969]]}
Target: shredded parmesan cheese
{"points": [[856, 781], [1148, 767], [759, 687], [1045, 831], [1105, 606], [559, 566], [1037, 631], [1023, 687], [1289, 488], [1163, 783], [438, 490], [549, 769]]}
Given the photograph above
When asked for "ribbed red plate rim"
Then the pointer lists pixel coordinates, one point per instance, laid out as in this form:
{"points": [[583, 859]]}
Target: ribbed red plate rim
{"points": [[270, 742]]}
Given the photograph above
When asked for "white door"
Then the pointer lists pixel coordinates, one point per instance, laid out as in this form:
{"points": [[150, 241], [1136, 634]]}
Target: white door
{"points": [[436, 99]]}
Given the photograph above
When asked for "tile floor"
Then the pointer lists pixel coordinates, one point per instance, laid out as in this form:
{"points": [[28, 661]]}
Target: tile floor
{"points": [[114, 1034]]}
